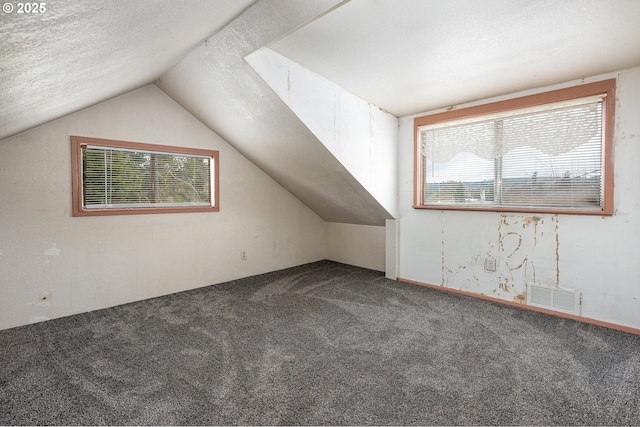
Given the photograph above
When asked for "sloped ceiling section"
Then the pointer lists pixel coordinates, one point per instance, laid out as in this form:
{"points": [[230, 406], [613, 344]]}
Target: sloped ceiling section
{"points": [[359, 134], [405, 56], [220, 88], [75, 54]]}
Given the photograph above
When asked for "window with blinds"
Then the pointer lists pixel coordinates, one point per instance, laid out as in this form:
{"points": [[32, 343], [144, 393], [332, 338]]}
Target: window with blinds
{"points": [[532, 156], [117, 177]]}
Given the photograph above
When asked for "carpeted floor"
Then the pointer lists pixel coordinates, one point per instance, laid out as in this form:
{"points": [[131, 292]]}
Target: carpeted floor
{"points": [[322, 343]]}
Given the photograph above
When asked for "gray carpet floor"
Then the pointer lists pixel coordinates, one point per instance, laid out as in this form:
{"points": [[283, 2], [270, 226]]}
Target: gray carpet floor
{"points": [[323, 343]]}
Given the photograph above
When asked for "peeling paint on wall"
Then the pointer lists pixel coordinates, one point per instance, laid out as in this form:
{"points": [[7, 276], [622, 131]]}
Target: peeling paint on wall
{"points": [[443, 263], [532, 220], [521, 298], [510, 245], [522, 246], [555, 229]]}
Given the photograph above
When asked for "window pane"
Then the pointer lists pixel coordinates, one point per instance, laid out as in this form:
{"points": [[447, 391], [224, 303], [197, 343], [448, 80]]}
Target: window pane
{"points": [[532, 178], [466, 178], [553, 158], [127, 178], [550, 157]]}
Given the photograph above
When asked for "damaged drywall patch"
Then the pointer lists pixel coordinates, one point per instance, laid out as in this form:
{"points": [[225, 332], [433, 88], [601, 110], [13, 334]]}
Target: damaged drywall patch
{"points": [[557, 257], [521, 248], [521, 298], [514, 241], [510, 244], [524, 244], [533, 220], [53, 250], [503, 284]]}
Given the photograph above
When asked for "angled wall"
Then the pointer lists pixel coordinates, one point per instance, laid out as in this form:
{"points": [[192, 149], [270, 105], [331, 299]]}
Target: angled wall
{"points": [[354, 244], [228, 96], [89, 263], [360, 135]]}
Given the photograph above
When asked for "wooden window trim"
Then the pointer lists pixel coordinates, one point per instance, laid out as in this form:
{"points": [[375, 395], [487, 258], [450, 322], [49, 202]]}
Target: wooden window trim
{"points": [[77, 142], [607, 87]]}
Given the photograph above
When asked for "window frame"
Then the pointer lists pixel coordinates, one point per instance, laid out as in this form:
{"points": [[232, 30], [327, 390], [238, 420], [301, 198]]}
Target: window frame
{"points": [[78, 142], [604, 87]]}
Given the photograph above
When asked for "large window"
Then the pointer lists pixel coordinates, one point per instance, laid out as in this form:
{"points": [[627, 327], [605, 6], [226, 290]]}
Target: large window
{"points": [[550, 152], [118, 177]]}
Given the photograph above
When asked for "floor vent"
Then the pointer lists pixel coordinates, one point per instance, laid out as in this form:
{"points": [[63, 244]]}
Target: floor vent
{"points": [[552, 298]]}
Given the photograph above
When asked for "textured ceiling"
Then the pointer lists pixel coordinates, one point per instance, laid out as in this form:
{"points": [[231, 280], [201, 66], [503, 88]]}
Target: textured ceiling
{"points": [[220, 88], [406, 56], [78, 53], [410, 56]]}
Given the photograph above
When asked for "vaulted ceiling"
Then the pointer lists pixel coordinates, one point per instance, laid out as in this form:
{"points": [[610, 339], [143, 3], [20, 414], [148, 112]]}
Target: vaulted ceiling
{"points": [[405, 56], [79, 53]]}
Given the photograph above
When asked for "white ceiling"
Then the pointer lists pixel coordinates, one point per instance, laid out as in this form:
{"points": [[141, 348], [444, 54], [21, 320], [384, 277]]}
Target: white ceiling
{"points": [[406, 56], [81, 52], [410, 56]]}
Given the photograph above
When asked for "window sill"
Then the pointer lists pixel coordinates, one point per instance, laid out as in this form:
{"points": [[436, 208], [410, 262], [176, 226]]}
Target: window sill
{"points": [[560, 211]]}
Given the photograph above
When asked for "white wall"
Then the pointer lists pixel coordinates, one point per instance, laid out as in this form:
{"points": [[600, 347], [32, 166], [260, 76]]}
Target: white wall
{"points": [[90, 263], [595, 255], [359, 134], [359, 245]]}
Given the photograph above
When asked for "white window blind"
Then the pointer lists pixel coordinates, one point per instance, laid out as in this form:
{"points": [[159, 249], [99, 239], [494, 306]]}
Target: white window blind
{"points": [[544, 156], [127, 178]]}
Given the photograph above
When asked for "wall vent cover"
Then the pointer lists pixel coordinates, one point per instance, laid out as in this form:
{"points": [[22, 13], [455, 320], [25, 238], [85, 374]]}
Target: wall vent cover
{"points": [[552, 298]]}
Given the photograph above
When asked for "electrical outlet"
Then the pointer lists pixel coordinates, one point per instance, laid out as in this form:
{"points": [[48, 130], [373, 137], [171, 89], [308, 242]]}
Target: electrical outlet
{"points": [[490, 264], [243, 255]]}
